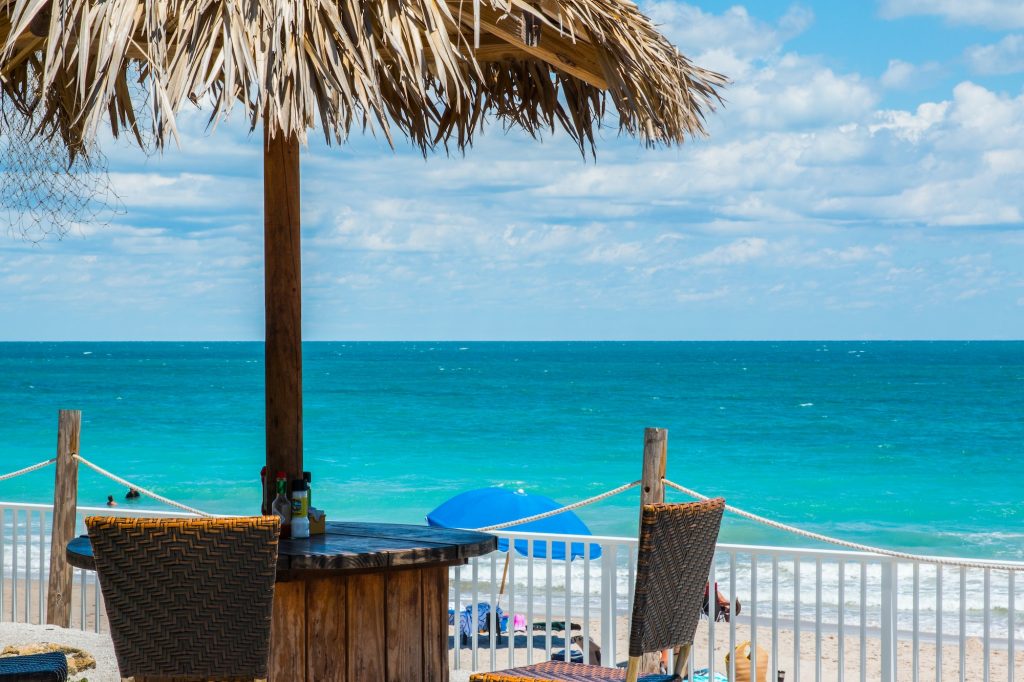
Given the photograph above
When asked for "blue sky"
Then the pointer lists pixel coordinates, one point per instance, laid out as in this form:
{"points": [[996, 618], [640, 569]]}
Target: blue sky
{"points": [[864, 181]]}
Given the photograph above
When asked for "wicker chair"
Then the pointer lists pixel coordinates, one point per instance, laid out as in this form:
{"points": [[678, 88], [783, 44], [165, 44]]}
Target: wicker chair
{"points": [[187, 599], [677, 545]]}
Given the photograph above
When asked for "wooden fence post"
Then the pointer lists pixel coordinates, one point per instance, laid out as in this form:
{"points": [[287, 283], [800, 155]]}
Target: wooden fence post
{"points": [[652, 491], [65, 503], [652, 479]]}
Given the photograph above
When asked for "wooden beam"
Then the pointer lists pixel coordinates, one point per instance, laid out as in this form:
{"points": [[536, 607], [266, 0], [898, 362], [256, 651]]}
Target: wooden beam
{"points": [[652, 491], [65, 502], [283, 302], [577, 59]]}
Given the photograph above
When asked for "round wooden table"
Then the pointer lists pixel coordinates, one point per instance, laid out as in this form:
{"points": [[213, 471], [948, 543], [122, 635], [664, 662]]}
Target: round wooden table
{"points": [[363, 602]]}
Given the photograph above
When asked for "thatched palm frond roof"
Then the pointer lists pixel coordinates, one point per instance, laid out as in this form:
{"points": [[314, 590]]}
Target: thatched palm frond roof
{"points": [[433, 69]]}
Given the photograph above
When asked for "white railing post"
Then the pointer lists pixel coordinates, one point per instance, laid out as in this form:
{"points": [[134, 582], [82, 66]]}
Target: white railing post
{"points": [[608, 579], [890, 593]]}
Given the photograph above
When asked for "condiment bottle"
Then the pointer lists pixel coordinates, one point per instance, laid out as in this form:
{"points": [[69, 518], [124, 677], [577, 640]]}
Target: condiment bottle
{"points": [[282, 507], [300, 509], [308, 478]]}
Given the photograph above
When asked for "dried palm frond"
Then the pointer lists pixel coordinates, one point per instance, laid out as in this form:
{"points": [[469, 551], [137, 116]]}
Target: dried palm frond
{"points": [[434, 70]]}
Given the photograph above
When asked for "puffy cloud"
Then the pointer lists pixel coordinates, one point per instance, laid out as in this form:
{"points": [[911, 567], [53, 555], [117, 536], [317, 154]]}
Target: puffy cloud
{"points": [[733, 253], [726, 41], [998, 14], [903, 75], [1006, 56]]}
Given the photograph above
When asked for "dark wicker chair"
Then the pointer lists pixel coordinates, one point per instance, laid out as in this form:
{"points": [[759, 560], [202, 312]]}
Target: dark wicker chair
{"points": [[49, 667], [677, 545], [188, 599]]}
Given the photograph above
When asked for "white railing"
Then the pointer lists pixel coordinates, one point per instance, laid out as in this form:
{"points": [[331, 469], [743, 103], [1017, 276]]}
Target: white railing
{"points": [[815, 614], [25, 564]]}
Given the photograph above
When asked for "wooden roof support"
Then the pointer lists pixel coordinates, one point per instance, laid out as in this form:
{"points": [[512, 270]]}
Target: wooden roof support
{"points": [[577, 59]]}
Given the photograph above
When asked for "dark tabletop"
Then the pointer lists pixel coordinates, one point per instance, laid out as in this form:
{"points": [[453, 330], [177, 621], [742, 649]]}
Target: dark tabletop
{"points": [[357, 547]]}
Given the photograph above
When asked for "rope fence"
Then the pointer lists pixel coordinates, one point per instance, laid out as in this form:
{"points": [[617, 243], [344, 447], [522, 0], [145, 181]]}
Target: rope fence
{"points": [[144, 491], [562, 510], [777, 525], [28, 470], [945, 561]]}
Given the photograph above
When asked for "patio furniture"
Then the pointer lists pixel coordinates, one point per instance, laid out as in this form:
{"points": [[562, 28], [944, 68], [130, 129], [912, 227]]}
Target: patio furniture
{"points": [[49, 667], [187, 598], [363, 602], [677, 545]]}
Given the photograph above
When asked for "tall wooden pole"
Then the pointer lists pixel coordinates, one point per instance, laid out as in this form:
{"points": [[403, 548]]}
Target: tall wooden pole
{"points": [[283, 290], [652, 491], [65, 503]]}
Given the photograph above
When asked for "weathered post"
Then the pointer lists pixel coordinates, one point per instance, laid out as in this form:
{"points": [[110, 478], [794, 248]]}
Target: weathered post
{"points": [[65, 510], [652, 479], [652, 491]]}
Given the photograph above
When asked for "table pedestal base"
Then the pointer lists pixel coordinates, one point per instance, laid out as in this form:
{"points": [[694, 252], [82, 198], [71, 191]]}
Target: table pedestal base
{"points": [[387, 626]]}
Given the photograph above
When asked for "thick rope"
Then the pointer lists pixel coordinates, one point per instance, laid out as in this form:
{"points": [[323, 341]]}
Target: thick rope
{"points": [[945, 561], [147, 493], [562, 510], [28, 470]]}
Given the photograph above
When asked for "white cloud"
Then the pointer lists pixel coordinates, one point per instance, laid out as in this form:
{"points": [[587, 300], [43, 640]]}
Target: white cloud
{"points": [[796, 92], [697, 296], [734, 253], [733, 32], [997, 14], [901, 75], [1006, 56]]}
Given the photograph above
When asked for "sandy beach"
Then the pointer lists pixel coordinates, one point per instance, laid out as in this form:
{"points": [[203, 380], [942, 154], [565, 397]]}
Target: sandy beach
{"points": [[809, 660], [100, 646]]}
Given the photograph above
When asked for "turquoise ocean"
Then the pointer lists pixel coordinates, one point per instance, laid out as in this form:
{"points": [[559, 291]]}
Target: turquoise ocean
{"points": [[909, 445]]}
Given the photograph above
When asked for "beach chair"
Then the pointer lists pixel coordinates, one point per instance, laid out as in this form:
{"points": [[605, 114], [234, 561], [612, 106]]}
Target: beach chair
{"points": [[188, 599], [49, 667], [677, 545]]}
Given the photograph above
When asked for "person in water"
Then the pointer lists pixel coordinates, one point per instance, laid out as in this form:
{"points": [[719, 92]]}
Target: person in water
{"points": [[132, 494], [110, 501]]}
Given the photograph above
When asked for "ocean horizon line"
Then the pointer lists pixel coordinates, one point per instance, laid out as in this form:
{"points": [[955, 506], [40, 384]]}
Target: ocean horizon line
{"points": [[470, 340]]}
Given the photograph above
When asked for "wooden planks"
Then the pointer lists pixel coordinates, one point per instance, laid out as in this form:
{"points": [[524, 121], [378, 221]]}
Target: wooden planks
{"points": [[288, 632], [390, 626], [367, 649], [435, 623], [374, 546], [404, 629], [327, 630]]}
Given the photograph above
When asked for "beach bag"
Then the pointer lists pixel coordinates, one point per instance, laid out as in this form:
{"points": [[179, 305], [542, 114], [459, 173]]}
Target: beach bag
{"points": [[743, 664]]}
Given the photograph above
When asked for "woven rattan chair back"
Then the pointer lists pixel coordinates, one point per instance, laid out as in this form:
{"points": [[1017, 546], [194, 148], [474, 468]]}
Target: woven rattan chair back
{"points": [[188, 599], [677, 545]]}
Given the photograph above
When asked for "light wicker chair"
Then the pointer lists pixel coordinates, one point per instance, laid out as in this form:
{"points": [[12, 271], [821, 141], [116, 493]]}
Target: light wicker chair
{"points": [[677, 545], [187, 599]]}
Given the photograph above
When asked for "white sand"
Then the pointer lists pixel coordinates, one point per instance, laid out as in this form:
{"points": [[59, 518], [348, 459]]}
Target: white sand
{"points": [[998, 664], [98, 645]]}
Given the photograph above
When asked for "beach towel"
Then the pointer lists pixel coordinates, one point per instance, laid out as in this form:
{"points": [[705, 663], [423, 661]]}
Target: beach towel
{"points": [[483, 619]]}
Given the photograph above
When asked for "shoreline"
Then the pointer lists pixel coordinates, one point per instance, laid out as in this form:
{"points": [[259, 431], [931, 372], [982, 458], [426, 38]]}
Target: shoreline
{"points": [[100, 646]]}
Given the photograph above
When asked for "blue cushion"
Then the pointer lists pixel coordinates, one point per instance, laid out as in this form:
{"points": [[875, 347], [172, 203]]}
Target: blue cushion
{"points": [[51, 667]]}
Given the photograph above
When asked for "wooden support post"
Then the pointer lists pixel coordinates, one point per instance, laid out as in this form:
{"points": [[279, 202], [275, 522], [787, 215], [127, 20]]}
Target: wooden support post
{"points": [[283, 302], [65, 503], [652, 491], [652, 478]]}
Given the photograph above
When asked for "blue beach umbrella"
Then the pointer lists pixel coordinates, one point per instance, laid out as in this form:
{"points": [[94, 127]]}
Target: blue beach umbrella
{"points": [[490, 506]]}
